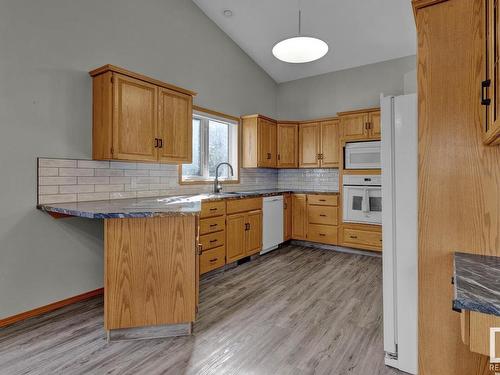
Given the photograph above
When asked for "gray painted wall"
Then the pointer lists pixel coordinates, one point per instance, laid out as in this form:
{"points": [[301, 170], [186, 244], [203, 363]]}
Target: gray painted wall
{"points": [[356, 88], [47, 47]]}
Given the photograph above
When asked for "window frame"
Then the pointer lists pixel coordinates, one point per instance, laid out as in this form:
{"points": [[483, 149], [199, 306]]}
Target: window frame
{"points": [[234, 148]]}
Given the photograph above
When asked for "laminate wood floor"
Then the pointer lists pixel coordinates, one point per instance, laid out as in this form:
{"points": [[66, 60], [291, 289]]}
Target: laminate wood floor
{"points": [[296, 310]]}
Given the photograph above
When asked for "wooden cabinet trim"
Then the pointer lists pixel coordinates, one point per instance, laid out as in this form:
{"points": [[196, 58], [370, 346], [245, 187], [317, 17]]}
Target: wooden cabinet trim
{"points": [[141, 77]]}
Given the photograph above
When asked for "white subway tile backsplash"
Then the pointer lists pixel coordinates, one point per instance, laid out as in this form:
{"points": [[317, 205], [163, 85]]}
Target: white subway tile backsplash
{"points": [[109, 188], [82, 197], [94, 164], [93, 180], [57, 163], [98, 180], [46, 190], [137, 172], [56, 198], [48, 172], [109, 172], [76, 172], [57, 180], [122, 165], [76, 189], [122, 195]]}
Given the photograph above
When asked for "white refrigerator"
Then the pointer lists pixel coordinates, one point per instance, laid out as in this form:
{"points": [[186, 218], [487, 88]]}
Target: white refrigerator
{"points": [[399, 230]]}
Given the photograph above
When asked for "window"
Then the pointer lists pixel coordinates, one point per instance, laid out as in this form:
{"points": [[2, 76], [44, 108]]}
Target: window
{"points": [[215, 140]]}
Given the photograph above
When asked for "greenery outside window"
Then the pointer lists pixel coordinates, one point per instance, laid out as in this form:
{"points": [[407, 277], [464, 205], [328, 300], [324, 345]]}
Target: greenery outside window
{"points": [[215, 140]]}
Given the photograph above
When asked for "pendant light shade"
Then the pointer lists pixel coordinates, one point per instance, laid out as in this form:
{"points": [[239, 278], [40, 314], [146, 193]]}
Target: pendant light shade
{"points": [[300, 49]]}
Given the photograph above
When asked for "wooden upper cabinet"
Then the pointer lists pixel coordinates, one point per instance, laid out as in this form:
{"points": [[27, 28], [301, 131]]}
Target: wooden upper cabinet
{"points": [[134, 119], [287, 144], [299, 216], [139, 118], [354, 126], [330, 141], [360, 124], [309, 145], [259, 136], [491, 85], [319, 144], [175, 116], [374, 125]]}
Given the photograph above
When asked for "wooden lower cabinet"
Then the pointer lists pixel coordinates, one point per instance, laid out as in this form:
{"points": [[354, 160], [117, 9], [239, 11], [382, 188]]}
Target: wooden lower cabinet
{"points": [[243, 235], [322, 233], [287, 217], [212, 259], [361, 236], [322, 218], [299, 216], [475, 330]]}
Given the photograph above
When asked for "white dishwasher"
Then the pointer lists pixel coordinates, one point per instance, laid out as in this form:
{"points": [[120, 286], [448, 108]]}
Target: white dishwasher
{"points": [[272, 223]]}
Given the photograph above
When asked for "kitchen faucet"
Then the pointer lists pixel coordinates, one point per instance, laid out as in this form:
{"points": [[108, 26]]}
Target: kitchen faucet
{"points": [[217, 186]]}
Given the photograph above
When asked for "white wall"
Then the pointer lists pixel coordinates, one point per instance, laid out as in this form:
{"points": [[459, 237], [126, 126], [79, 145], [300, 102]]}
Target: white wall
{"points": [[46, 49], [325, 95]]}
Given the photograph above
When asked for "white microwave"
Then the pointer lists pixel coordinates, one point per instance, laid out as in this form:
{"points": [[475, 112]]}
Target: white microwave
{"points": [[362, 155]]}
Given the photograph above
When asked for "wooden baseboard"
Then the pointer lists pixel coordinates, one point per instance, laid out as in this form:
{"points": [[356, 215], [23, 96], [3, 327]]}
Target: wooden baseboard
{"points": [[51, 307]]}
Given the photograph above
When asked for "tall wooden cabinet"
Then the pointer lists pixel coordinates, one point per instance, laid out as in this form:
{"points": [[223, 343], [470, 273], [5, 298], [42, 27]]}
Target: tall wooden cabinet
{"points": [[287, 217], [454, 166], [360, 124], [319, 144], [259, 142], [139, 118], [491, 84]]}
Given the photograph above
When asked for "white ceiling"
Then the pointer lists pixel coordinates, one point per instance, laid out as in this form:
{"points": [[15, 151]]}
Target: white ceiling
{"points": [[358, 32]]}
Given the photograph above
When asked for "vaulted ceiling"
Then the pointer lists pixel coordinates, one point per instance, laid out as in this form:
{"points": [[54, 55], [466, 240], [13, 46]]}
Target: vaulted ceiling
{"points": [[358, 32]]}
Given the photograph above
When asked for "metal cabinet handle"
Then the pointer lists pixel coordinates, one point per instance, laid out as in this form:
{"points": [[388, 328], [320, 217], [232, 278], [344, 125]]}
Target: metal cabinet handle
{"points": [[213, 225], [322, 234], [322, 200], [353, 237], [213, 260], [484, 86], [157, 144], [212, 241], [161, 143], [213, 209], [322, 215]]}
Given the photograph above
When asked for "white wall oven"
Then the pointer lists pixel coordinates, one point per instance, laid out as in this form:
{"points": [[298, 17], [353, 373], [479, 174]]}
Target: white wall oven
{"points": [[362, 155], [362, 199]]}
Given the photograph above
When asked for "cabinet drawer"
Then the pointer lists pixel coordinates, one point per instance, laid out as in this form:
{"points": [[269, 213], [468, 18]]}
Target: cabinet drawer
{"points": [[209, 241], [209, 209], [326, 215], [213, 224], [243, 205], [322, 233], [212, 259], [323, 200], [362, 237]]}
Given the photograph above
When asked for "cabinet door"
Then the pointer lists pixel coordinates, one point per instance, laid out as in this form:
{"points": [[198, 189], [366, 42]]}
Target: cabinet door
{"points": [[287, 216], [374, 120], [253, 232], [175, 126], [299, 216], [492, 121], [330, 144], [354, 126], [134, 119], [266, 143], [309, 141], [287, 145], [235, 237]]}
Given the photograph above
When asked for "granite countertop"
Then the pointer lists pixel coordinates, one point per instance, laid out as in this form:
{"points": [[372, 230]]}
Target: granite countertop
{"points": [[477, 283], [156, 206]]}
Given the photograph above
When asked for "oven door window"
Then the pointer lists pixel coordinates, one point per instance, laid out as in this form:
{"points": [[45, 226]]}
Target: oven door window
{"points": [[357, 203], [375, 204]]}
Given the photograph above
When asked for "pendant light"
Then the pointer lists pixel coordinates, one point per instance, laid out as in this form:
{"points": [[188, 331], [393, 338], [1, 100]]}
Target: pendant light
{"points": [[300, 49]]}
